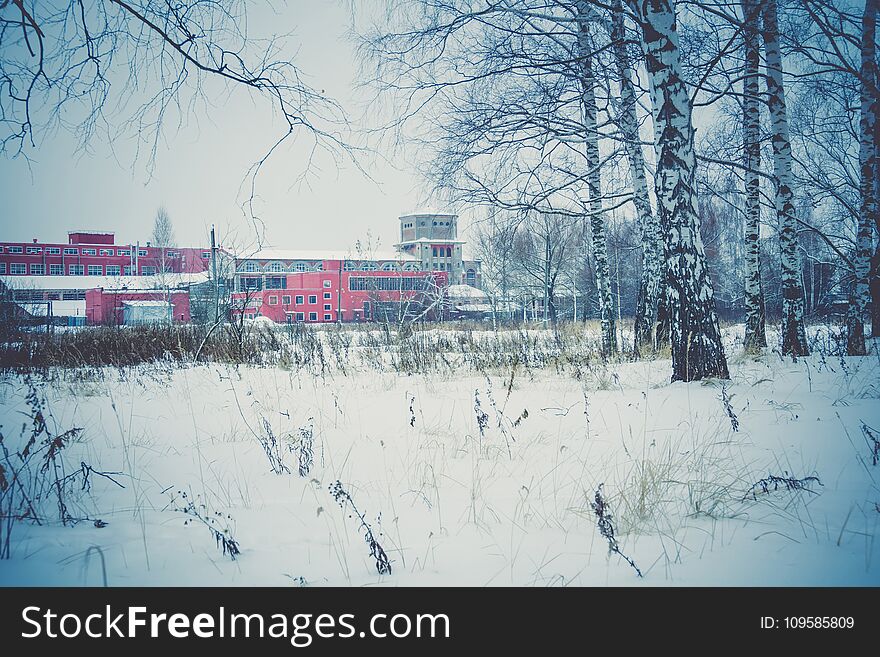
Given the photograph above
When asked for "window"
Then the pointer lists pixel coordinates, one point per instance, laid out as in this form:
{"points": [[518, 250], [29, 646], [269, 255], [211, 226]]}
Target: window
{"points": [[313, 298], [142, 253], [96, 270], [435, 252], [76, 270], [285, 300], [349, 265], [73, 296], [318, 266], [328, 283], [37, 270], [35, 249], [299, 317], [411, 266], [127, 270], [327, 317], [17, 268], [273, 300], [145, 271], [53, 296], [313, 317], [276, 282], [385, 283], [123, 252], [327, 306], [389, 266], [206, 254], [300, 266], [89, 252], [1, 249], [53, 250], [275, 267], [2, 267], [448, 251], [15, 249], [56, 270], [369, 266], [251, 283], [251, 266], [328, 295], [299, 299], [106, 252], [171, 254], [367, 308]]}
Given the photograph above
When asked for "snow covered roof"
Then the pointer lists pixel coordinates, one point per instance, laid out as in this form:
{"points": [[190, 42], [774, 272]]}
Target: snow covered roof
{"points": [[160, 281], [59, 308], [465, 292], [287, 254], [427, 212], [432, 240]]}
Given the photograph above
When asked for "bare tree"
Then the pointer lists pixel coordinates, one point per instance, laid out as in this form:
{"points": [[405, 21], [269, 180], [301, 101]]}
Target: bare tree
{"points": [[695, 337]]}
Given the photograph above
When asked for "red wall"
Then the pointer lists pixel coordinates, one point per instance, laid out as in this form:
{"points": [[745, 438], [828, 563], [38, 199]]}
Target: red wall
{"points": [[345, 304], [105, 306]]}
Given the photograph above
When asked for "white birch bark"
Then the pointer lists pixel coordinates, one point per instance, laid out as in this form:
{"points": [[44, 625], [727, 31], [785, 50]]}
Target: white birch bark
{"points": [[594, 184], [695, 338], [855, 320], [648, 298], [755, 336], [794, 338]]}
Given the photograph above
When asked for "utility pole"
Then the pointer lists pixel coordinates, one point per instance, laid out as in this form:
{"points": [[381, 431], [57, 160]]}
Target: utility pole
{"points": [[214, 276]]}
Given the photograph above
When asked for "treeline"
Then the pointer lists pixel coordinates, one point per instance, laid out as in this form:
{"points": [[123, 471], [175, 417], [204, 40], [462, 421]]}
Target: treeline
{"points": [[673, 160]]}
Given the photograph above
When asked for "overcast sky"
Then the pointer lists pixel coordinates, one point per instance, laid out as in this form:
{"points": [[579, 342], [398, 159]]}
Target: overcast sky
{"points": [[200, 166]]}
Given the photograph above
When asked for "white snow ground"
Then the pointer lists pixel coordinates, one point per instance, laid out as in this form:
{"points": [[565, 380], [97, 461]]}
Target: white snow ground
{"points": [[452, 507]]}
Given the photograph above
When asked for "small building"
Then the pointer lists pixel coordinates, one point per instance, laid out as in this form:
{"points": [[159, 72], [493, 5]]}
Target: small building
{"points": [[115, 307]]}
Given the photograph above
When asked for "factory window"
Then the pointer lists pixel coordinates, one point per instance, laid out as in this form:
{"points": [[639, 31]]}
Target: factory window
{"points": [[313, 317], [300, 317], [313, 298], [113, 270], [273, 300], [275, 267], [328, 284], [34, 249], [127, 270], [368, 266], [328, 295], [17, 249], [96, 270], [349, 265], [76, 270], [142, 253], [37, 270], [18, 268], [327, 306], [56, 270], [299, 300], [300, 266], [387, 283], [328, 317], [106, 252], [251, 266], [145, 271], [389, 266], [90, 252], [123, 252], [285, 300], [69, 251], [53, 250], [276, 282], [435, 251]]}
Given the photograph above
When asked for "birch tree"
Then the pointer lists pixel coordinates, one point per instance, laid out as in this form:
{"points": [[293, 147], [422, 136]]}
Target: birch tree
{"points": [[646, 314], [695, 337], [755, 333], [794, 337], [855, 327], [594, 184]]}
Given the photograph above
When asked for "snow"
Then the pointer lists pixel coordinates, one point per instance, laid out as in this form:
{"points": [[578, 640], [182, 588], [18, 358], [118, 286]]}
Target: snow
{"points": [[452, 507], [168, 280], [465, 292], [314, 255]]}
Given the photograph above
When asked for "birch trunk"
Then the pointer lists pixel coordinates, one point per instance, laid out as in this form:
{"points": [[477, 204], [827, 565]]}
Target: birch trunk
{"points": [[855, 319], [756, 336], [794, 337], [594, 185], [649, 226], [695, 338]]}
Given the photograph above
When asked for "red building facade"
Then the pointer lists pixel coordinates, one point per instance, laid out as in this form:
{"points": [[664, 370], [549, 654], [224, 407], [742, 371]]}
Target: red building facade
{"points": [[336, 294], [97, 254]]}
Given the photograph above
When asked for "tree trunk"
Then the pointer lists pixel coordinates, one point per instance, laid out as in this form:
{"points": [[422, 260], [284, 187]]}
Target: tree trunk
{"points": [[649, 226], [756, 336], [695, 338], [794, 336], [594, 185], [858, 303]]}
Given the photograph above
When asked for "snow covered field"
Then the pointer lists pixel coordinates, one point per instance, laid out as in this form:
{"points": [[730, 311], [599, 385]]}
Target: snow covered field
{"points": [[462, 478]]}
